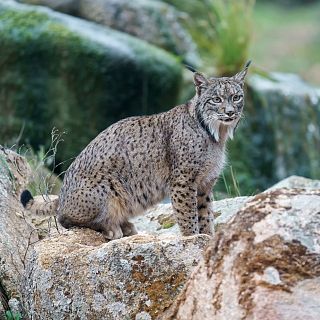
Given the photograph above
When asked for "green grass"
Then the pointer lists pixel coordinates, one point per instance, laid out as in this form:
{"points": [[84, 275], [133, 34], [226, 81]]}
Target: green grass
{"points": [[222, 30], [229, 185], [231, 22], [13, 316], [287, 39]]}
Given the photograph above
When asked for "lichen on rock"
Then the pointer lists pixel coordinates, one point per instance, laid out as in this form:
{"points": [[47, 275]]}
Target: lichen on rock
{"points": [[262, 265], [78, 275], [16, 235]]}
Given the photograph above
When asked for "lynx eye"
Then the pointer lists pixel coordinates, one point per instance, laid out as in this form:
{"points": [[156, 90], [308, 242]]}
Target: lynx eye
{"points": [[216, 99], [236, 98]]}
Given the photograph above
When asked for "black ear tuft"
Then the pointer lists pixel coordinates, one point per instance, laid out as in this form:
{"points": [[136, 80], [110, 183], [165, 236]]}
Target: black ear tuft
{"points": [[25, 197], [242, 74], [247, 64], [192, 69]]}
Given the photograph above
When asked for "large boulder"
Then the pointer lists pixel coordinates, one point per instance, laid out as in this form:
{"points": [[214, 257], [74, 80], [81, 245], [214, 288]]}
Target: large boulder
{"points": [[64, 72], [296, 182], [264, 265], [280, 135], [65, 6], [16, 235], [77, 275], [153, 21]]}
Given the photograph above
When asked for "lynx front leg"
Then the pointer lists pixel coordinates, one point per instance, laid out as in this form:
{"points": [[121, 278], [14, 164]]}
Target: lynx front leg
{"points": [[205, 214], [184, 202]]}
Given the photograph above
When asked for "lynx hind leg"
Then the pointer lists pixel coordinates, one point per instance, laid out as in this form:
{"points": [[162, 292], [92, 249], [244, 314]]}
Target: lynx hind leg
{"points": [[116, 224], [81, 208], [128, 229], [112, 231], [205, 214]]}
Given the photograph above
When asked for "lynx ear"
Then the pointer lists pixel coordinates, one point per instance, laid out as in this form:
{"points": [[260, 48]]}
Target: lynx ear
{"points": [[200, 81], [242, 74]]}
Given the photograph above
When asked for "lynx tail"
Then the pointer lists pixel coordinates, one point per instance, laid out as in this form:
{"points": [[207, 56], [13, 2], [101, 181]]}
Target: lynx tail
{"points": [[39, 205]]}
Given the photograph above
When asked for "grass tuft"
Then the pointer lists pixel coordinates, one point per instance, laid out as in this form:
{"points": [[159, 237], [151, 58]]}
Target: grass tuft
{"points": [[13, 315], [231, 22]]}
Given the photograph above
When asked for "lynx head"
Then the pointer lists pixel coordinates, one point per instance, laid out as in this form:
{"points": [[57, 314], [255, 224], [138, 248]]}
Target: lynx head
{"points": [[219, 102]]}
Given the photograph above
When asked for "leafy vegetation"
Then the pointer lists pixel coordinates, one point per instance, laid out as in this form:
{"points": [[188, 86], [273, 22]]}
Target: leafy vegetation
{"points": [[222, 30], [13, 316], [45, 181]]}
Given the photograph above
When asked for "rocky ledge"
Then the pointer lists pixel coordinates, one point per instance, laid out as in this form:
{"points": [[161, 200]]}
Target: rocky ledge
{"points": [[265, 265], [77, 275], [263, 262]]}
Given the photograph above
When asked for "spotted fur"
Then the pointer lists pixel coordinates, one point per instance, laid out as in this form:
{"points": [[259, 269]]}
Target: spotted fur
{"points": [[136, 162]]}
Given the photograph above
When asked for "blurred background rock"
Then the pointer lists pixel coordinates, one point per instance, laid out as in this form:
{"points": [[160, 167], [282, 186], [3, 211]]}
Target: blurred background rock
{"points": [[102, 60]]}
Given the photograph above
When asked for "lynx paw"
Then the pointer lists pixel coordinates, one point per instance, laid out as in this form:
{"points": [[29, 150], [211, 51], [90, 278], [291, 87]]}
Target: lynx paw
{"points": [[114, 233]]}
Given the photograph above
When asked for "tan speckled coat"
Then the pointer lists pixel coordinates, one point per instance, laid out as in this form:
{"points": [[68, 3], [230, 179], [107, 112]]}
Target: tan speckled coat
{"points": [[136, 162]]}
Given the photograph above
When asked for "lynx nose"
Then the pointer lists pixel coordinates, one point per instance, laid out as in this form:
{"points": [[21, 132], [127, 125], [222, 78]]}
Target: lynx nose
{"points": [[230, 113]]}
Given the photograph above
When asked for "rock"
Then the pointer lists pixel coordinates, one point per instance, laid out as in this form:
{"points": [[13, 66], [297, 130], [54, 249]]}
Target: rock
{"points": [[269, 251], [226, 209], [282, 120], [153, 21], [15, 173], [265, 265], [65, 6], [16, 235], [296, 182], [157, 221], [2, 308], [15, 306], [76, 275], [64, 72]]}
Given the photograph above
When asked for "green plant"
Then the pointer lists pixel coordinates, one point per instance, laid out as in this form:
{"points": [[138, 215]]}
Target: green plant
{"points": [[45, 181], [13, 315], [231, 22], [228, 185], [168, 225], [222, 30]]}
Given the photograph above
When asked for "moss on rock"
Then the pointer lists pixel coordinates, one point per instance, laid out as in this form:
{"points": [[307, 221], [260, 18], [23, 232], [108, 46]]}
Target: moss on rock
{"points": [[60, 71]]}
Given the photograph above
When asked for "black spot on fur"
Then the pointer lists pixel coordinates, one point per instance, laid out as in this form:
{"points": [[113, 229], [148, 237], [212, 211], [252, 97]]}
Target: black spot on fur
{"points": [[145, 197], [25, 197]]}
